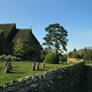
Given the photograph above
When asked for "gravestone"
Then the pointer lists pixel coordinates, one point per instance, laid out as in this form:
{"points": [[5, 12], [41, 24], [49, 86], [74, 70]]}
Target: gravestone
{"points": [[37, 66], [8, 68], [6, 62], [33, 66]]}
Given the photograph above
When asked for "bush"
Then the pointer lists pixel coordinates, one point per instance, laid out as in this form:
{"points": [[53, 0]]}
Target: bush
{"points": [[2, 57], [29, 53], [9, 58], [42, 57], [26, 54], [52, 58], [87, 55], [63, 58]]}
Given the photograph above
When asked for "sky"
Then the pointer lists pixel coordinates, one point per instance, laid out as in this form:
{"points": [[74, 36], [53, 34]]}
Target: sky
{"points": [[74, 15]]}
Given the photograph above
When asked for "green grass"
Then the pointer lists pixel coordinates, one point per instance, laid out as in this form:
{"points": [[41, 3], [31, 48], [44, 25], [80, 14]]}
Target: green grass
{"points": [[22, 69], [88, 62]]}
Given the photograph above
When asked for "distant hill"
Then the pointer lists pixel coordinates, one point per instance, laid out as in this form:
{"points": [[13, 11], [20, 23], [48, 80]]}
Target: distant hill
{"points": [[90, 48], [85, 54]]}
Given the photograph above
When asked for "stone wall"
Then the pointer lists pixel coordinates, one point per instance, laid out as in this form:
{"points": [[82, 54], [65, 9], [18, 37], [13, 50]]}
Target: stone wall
{"points": [[87, 83], [67, 79]]}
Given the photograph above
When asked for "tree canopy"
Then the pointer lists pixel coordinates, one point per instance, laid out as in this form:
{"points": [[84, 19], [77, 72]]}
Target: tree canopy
{"points": [[56, 37]]}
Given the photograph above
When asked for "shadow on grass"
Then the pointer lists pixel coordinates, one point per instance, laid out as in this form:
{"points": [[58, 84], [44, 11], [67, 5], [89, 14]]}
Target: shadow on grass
{"points": [[17, 72], [45, 69], [12, 72], [15, 66]]}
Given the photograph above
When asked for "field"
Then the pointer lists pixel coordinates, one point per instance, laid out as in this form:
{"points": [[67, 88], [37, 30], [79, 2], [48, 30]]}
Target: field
{"points": [[88, 62], [22, 69], [74, 60]]}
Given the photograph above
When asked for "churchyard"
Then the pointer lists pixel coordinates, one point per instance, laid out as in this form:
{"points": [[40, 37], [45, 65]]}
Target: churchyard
{"points": [[25, 68]]}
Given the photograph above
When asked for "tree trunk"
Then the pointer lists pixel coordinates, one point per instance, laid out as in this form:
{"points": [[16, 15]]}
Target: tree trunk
{"points": [[56, 50]]}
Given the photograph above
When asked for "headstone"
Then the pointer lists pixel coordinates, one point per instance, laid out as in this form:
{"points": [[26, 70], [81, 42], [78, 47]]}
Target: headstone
{"points": [[8, 68], [34, 66], [6, 62], [37, 67]]}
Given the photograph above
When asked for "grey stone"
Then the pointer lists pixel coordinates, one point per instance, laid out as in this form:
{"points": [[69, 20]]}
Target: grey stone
{"points": [[35, 85]]}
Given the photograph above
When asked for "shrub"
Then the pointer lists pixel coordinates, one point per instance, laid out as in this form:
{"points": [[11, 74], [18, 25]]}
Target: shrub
{"points": [[63, 58], [9, 58], [29, 53], [2, 57], [42, 57], [26, 54], [87, 55], [18, 59], [52, 58]]}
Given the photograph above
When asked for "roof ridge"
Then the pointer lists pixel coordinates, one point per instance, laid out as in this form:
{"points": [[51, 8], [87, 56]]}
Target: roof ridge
{"points": [[26, 29], [8, 24]]}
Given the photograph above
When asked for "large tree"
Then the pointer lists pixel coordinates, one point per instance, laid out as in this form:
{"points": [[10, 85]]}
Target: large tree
{"points": [[56, 37]]}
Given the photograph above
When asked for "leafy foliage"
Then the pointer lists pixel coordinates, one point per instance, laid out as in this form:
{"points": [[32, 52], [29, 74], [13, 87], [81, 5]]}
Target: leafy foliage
{"points": [[52, 58], [2, 57], [18, 45], [85, 54], [56, 37], [29, 53], [42, 57], [9, 58], [25, 52], [63, 58]]}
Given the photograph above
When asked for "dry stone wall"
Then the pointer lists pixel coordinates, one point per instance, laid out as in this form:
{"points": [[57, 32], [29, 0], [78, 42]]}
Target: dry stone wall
{"points": [[67, 79]]}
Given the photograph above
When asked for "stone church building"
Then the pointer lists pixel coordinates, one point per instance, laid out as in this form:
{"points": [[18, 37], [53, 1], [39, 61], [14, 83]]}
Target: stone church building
{"points": [[9, 35]]}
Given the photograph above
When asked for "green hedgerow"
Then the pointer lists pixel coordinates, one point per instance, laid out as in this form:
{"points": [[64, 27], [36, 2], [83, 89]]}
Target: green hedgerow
{"points": [[52, 58]]}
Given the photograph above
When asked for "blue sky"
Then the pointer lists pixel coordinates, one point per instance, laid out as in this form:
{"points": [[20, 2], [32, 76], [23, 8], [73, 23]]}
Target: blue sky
{"points": [[74, 15]]}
